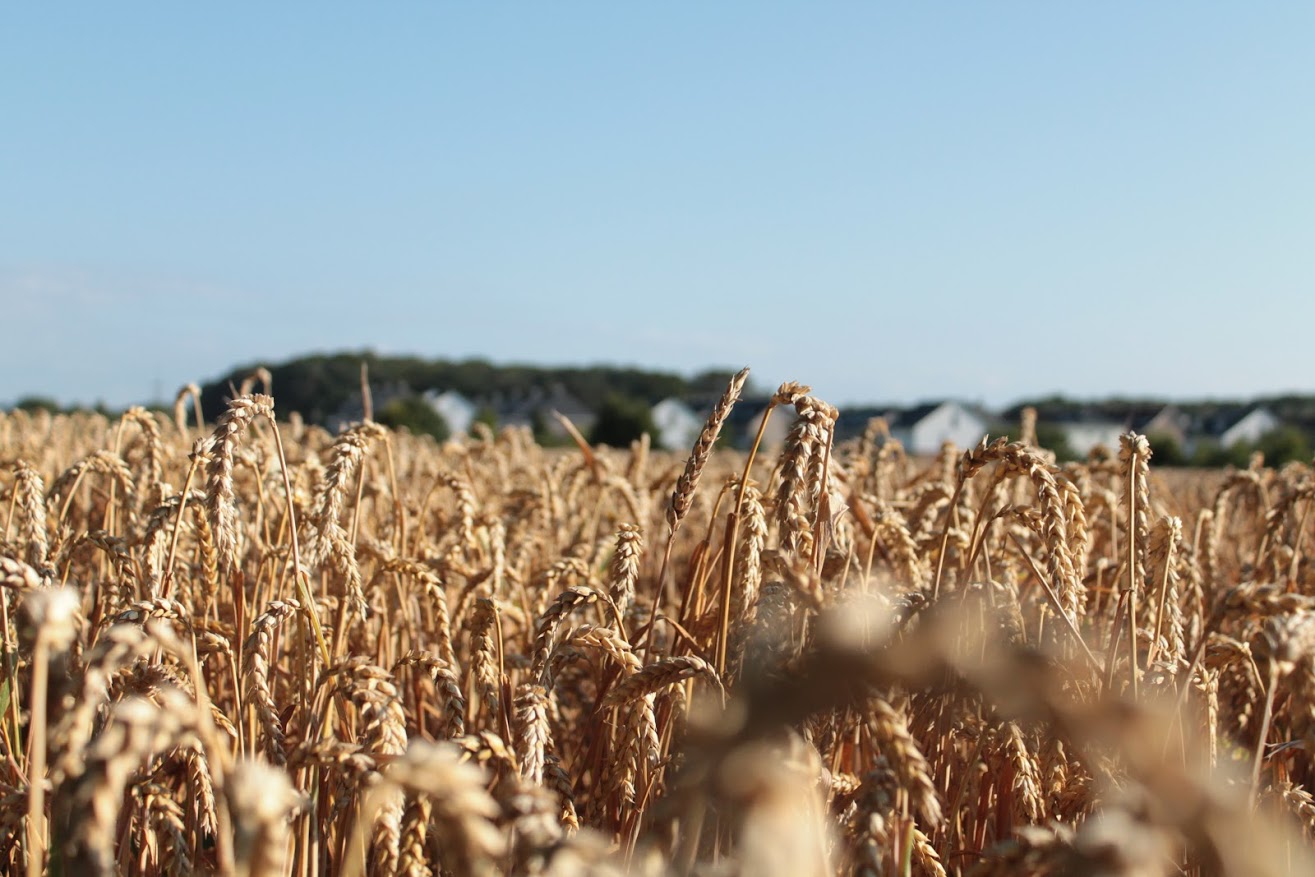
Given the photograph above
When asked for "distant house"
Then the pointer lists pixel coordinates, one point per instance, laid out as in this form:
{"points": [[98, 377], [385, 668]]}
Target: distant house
{"points": [[535, 410], [580, 414], [1101, 426], [1083, 435], [1087, 427], [457, 411], [353, 410], [1246, 425], [678, 425], [742, 422], [922, 429], [778, 427], [853, 421], [1168, 421]]}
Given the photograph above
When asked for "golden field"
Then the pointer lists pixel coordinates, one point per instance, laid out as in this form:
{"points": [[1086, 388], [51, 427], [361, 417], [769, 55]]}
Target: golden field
{"points": [[256, 648]]}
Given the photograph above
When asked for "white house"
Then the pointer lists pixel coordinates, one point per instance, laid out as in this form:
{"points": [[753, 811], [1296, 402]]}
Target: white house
{"points": [[1250, 427], [457, 411], [778, 427], [678, 426], [1103, 424], [1083, 435], [924, 428]]}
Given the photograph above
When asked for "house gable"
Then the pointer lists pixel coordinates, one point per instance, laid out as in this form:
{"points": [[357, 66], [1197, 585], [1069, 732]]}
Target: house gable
{"points": [[457, 411], [923, 429], [1250, 427], [678, 427]]}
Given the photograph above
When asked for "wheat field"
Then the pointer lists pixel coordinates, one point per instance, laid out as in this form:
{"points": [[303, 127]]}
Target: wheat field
{"points": [[255, 648]]}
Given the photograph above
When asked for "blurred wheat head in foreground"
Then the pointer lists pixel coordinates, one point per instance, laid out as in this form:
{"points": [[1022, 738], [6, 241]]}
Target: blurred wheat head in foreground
{"points": [[260, 649]]}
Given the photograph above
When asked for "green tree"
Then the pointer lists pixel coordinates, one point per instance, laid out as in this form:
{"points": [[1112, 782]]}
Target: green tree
{"points": [[1212, 455], [487, 416], [1165, 450], [713, 381], [32, 404], [1049, 435], [1207, 454], [620, 421], [414, 414], [541, 426], [1284, 445]]}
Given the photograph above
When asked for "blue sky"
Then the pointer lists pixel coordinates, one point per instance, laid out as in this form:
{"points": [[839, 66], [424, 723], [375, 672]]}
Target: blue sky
{"points": [[887, 201]]}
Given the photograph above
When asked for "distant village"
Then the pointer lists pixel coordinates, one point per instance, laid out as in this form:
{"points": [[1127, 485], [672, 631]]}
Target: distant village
{"points": [[922, 429], [613, 404]]}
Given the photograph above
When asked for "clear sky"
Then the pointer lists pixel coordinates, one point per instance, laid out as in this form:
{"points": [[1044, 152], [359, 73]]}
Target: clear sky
{"points": [[889, 201]]}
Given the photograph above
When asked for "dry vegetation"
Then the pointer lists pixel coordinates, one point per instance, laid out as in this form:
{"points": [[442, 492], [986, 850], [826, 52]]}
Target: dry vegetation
{"points": [[262, 649]]}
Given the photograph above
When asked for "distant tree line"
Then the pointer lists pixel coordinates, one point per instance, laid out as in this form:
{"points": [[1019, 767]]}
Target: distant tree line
{"points": [[1289, 407], [1291, 442], [33, 404], [1287, 444], [318, 385]]}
